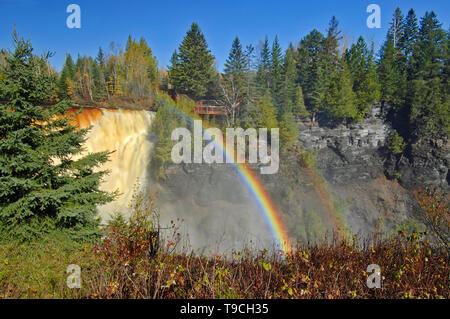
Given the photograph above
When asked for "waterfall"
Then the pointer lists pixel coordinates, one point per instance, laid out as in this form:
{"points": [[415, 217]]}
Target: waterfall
{"points": [[128, 134]]}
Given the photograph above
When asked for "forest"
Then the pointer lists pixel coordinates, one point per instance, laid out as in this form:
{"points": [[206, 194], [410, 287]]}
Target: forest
{"points": [[321, 78], [49, 196]]}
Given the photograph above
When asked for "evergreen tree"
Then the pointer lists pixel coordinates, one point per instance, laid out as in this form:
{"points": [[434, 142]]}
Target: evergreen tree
{"points": [[391, 74], [288, 130], [67, 78], [311, 70], [101, 58], [330, 57], [267, 110], [288, 89], [233, 86], [102, 86], [429, 105], [194, 71], [276, 75], [251, 84], [299, 105], [263, 77], [236, 62], [363, 68], [396, 27], [410, 33], [43, 187], [340, 100]]}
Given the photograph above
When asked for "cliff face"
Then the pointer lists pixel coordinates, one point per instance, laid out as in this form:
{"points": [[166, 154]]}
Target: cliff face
{"points": [[350, 186], [358, 152], [426, 163], [348, 154]]}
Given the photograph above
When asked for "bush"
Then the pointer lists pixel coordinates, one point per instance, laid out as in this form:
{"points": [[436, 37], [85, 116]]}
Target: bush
{"points": [[139, 236], [396, 144]]}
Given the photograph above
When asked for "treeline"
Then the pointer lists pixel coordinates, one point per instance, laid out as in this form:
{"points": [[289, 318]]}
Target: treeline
{"points": [[266, 86], [132, 73], [322, 78]]}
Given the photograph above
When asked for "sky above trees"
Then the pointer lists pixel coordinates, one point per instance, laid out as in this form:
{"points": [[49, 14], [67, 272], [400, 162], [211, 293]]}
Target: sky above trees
{"points": [[164, 24]]}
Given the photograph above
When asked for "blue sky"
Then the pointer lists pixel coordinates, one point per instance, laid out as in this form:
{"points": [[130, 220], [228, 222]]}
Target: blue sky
{"points": [[164, 23]]}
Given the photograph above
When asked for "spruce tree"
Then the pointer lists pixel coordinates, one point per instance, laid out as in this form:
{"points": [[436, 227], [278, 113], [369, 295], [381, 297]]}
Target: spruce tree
{"points": [[330, 58], [267, 111], [65, 83], [42, 186], [429, 96], [391, 74], [396, 27], [194, 72], [276, 75], [288, 130], [340, 100], [299, 108], [288, 88], [311, 70], [363, 69], [234, 84], [410, 33], [236, 66], [263, 75]]}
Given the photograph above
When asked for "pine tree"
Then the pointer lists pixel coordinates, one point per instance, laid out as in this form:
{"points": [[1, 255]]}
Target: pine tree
{"points": [[410, 33], [311, 70], [391, 74], [430, 106], [65, 83], [267, 110], [330, 57], [236, 61], [263, 76], [288, 130], [363, 69], [194, 71], [276, 64], [251, 85], [43, 188], [288, 88], [299, 105], [340, 100], [233, 86], [396, 27]]}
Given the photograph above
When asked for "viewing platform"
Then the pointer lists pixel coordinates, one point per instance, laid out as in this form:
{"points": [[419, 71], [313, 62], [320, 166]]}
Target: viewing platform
{"points": [[209, 107]]}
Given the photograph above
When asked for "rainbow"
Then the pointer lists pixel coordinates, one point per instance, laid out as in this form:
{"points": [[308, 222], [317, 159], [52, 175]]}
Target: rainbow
{"points": [[259, 194], [266, 206]]}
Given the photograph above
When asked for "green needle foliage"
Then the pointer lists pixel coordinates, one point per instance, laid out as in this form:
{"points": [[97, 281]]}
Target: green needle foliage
{"points": [[192, 71], [45, 184]]}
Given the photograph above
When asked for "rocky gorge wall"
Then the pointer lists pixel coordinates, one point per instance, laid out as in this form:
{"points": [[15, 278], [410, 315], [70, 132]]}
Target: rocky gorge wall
{"points": [[352, 183]]}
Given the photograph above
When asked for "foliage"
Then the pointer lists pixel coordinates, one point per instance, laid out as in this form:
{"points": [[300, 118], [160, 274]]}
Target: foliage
{"points": [[396, 144], [168, 117], [435, 212], [268, 116], [299, 108], [192, 69], [340, 100], [363, 69], [288, 130], [410, 268], [134, 237], [45, 184], [234, 82]]}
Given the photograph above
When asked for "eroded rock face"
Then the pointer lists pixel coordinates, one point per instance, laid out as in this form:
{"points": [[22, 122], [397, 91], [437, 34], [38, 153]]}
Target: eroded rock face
{"points": [[357, 152], [358, 187], [427, 164], [349, 153]]}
